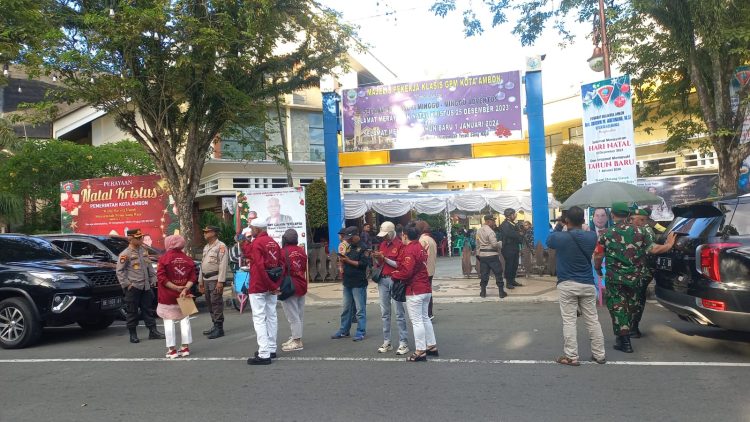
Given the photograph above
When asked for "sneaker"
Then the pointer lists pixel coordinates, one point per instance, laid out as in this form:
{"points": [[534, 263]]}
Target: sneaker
{"points": [[601, 361], [338, 334], [358, 337], [287, 343], [259, 361], [172, 354], [386, 347], [293, 346], [402, 349], [184, 352]]}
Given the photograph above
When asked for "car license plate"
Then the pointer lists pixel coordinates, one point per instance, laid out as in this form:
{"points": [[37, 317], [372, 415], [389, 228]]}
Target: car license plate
{"points": [[664, 263], [111, 302]]}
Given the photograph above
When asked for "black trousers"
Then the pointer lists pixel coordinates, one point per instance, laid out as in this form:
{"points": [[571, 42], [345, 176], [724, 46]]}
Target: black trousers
{"points": [[511, 265], [487, 264], [139, 303]]}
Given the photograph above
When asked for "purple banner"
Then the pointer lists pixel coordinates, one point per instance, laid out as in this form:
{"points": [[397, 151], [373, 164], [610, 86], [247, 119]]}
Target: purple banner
{"points": [[439, 112]]}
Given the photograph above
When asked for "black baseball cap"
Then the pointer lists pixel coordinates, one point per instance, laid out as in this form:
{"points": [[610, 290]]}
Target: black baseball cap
{"points": [[350, 232]]}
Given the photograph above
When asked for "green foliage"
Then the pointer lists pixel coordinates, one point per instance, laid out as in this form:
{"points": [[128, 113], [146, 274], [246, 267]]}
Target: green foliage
{"points": [[316, 204], [436, 221], [651, 168], [569, 171], [36, 168], [226, 230], [174, 74], [681, 54]]}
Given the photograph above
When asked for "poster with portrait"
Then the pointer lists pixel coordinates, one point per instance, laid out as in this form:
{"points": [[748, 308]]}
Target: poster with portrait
{"points": [[599, 220], [281, 209]]}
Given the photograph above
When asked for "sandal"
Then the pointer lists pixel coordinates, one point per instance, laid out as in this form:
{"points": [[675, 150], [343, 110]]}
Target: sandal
{"points": [[564, 360], [432, 351], [417, 357]]}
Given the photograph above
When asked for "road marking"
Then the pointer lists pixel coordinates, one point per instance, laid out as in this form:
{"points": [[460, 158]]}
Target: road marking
{"points": [[372, 359]]}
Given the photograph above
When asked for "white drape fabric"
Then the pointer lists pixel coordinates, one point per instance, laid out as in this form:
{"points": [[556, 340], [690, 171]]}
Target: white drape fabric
{"points": [[398, 204]]}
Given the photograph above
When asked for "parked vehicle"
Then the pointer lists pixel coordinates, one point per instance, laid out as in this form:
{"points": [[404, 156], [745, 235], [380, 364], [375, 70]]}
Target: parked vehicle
{"points": [[705, 279], [42, 286]]}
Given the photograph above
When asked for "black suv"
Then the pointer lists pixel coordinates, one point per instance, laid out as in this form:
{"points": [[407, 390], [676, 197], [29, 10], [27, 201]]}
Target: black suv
{"points": [[95, 247], [42, 286], [705, 279]]}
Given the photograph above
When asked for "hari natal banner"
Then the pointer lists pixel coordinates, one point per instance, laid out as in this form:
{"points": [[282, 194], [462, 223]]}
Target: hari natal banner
{"points": [[608, 131], [113, 205], [462, 110]]}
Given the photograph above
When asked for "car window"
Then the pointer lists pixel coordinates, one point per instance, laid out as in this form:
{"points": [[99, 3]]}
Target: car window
{"points": [[59, 243], [21, 249], [81, 249], [696, 227], [115, 244], [738, 218]]}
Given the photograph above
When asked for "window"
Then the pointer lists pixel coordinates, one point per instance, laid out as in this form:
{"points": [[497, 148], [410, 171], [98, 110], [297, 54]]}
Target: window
{"points": [[278, 183], [315, 127], [306, 182], [208, 187], [347, 183], [553, 142], [575, 134], [82, 249], [379, 183], [241, 183]]}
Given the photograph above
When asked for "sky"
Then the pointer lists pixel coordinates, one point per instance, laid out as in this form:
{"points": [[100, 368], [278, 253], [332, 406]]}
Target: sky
{"points": [[417, 45]]}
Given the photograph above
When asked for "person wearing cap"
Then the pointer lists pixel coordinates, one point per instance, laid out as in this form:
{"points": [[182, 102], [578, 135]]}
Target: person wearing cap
{"points": [[626, 248], [137, 277], [511, 247], [265, 254], [295, 265], [430, 246], [642, 218], [488, 254], [175, 274], [386, 257], [355, 264], [343, 250], [213, 274]]}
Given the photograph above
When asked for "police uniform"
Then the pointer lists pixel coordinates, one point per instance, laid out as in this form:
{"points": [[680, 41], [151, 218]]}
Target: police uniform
{"points": [[213, 271], [625, 249], [137, 277]]}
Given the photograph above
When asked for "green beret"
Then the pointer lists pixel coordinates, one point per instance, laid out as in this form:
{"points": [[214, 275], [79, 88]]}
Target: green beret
{"points": [[642, 211]]}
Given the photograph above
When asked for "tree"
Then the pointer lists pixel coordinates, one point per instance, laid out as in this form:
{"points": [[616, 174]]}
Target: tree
{"points": [[176, 73], [569, 171], [316, 205], [682, 56], [34, 172]]}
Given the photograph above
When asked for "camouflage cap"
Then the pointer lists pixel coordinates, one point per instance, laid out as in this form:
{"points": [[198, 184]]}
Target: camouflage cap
{"points": [[621, 209]]}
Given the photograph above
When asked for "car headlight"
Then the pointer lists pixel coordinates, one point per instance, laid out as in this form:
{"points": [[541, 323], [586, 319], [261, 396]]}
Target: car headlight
{"points": [[47, 276]]}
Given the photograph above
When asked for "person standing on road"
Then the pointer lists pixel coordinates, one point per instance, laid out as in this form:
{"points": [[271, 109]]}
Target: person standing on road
{"points": [[213, 274], [511, 243], [575, 284], [265, 254], [642, 218], [488, 254], [366, 236], [355, 264], [387, 255], [626, 248], [137, 277], [412, 270], [175, 274], [295, 264], [430, 246]]}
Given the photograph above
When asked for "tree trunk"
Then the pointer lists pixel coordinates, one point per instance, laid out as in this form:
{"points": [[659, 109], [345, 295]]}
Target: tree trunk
{"points": [[730, 161], [284, 149], [184, 202]]}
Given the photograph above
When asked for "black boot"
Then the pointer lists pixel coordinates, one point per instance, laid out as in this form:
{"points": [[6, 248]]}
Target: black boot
{"points": [[483, 292], [218, 332], [635, 332], [154, 334], [210, 330], [133, 335], [502, 292], [623, 344]]}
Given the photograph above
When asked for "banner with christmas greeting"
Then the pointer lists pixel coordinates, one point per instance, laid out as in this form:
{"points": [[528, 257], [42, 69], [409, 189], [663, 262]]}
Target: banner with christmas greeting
{"points": [[281, 209], [113, 205], [608, 131], [453, 111]]}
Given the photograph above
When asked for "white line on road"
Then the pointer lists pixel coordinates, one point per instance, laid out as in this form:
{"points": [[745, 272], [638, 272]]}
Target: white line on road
{"points": [[370, 359]]}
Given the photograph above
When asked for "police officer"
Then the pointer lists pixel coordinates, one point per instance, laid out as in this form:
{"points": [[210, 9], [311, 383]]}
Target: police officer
{"points": [[212, 277], [137, 277], [626, 247], [511, 247]]}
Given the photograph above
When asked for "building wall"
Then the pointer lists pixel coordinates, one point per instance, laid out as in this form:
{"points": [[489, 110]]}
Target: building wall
{"points": [[104, 131]]}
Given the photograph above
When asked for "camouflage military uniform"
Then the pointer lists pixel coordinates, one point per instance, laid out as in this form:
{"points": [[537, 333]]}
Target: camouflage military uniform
{"points": [[625, 250], [642, 288]]}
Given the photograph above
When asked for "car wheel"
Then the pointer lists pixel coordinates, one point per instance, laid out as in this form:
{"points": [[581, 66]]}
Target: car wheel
{"points": [[19, 326], [100, 323]]}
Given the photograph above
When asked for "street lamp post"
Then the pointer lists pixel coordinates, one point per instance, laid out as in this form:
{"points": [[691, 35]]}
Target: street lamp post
{"points": [[605, 45], [600, 57]]}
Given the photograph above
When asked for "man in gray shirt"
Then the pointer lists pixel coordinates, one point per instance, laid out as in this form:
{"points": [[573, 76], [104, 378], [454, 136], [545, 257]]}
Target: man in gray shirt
{"points": [[488, 254]]}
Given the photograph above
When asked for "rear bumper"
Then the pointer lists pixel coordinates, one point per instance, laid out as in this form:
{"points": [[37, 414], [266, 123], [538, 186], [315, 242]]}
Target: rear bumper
{"points": [[687, 306]]}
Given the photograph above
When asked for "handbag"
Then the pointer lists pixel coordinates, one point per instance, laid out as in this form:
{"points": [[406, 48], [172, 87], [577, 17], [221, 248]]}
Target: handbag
{"points": [[398, 291], [187, 305], [275, 273], [287, 284]]}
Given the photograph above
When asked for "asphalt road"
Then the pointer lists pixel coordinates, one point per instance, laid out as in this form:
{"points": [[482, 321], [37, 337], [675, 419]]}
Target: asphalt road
{"points": [[495, 364]]}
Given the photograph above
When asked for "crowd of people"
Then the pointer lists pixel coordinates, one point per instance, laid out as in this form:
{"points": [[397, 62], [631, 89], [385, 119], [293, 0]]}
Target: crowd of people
{"points": [[401, 260]]}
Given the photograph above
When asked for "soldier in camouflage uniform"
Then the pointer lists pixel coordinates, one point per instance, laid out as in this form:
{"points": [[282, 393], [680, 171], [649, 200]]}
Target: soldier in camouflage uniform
{"points": [[626, 248], [642, 218]]}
